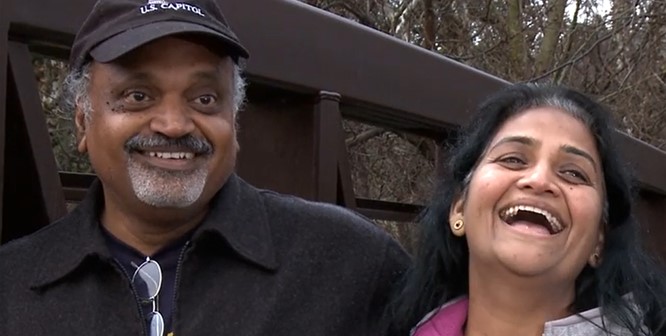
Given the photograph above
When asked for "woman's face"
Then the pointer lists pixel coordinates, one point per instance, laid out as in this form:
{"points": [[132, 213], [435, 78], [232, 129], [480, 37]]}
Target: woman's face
{"points": [[534, 203]]}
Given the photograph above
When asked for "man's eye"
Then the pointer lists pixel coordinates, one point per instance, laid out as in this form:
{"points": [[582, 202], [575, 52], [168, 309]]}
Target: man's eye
{"points": [[136, 97], [206, 100]]}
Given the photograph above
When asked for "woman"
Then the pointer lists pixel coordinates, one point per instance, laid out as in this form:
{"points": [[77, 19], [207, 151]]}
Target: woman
{"points": [[531, 230]]}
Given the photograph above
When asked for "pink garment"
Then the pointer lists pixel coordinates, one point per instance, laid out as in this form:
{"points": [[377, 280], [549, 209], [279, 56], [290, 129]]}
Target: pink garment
{"points": [[448, 320]]}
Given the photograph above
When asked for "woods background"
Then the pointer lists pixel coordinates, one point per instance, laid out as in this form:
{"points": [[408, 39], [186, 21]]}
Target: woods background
{"points": [[614, 50]]}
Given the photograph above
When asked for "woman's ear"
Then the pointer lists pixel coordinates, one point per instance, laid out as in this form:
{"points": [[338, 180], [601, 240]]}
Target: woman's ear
{"points": [[456, 211], [81, 128], [456, 216], [597, 256]]}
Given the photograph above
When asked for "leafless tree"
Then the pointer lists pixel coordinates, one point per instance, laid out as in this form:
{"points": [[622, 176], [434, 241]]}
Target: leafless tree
{"points": [[614, 50]]}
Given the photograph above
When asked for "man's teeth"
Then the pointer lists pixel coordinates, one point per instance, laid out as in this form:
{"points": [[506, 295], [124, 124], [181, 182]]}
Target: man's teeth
{"points": [[172, 155], [555, 224]]}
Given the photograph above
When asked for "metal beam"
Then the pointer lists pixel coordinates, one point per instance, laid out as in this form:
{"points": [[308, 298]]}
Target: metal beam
{"points": [[75, 185], [34, 118], [346, 196], [364, 65], [327, 131], [391, 211], [4, 35], [393, 81], [295, 40], [647, 162], [276, 137], [651, 214]]}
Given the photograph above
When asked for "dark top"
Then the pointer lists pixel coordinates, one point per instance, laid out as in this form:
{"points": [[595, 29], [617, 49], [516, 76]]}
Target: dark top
{"points": [[260, 263], [129, 258]]}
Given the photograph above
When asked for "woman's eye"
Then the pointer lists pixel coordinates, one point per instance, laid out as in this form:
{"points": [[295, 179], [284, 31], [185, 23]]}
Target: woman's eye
{"points": [[513, 160], [575, 174]]}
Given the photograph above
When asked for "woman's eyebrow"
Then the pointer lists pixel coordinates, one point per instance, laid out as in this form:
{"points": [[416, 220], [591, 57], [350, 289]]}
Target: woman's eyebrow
{"points": [[577, 151], [521, 139]]}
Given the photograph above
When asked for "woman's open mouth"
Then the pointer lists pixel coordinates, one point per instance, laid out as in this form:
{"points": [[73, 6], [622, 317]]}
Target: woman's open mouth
{"points": [[533, 218]]}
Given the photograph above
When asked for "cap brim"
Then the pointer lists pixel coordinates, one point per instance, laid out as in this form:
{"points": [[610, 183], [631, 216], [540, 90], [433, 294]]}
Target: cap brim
{"points": [[120, 44]]}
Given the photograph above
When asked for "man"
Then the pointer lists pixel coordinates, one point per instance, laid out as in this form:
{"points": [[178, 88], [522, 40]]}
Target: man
{"points": [[169, 241]]}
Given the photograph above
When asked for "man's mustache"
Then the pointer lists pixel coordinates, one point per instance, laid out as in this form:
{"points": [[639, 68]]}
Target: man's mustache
{"points": [[189, 142]]}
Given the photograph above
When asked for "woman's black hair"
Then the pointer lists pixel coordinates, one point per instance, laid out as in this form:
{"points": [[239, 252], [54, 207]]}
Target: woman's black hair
{"points": [[440, 270]]}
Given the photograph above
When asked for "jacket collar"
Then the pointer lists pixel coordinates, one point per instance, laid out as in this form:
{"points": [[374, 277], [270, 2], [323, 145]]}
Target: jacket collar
{"points": [[237, 217]]}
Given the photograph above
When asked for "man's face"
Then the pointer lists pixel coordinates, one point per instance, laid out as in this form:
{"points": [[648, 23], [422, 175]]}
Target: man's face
{"points": [[161, 130]]}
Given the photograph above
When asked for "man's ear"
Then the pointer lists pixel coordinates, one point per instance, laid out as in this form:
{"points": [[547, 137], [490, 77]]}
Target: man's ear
{"points": [[81, 128], [236, 144]]}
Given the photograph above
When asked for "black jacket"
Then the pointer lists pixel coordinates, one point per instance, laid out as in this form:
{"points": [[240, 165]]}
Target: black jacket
{"points": [[261, 263]]}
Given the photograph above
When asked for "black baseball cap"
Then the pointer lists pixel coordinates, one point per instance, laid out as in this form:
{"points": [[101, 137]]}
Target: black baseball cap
{"points": [[115, 27]]}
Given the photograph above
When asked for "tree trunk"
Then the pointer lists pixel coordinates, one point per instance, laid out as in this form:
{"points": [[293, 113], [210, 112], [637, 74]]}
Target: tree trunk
{"points": [[562, 73], [428, 25], [551, 35], [516, 37]]}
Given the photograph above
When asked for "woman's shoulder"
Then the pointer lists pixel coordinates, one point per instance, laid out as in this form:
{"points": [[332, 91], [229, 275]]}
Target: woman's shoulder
{"points": [[590, 322], [446, 320]]}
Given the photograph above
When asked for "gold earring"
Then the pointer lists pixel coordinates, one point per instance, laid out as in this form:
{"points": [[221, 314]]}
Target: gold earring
{"points": [[458, 228]]}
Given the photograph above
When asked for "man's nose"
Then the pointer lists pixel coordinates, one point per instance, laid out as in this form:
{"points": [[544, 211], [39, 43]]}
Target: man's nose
{"points": [[172, 119]]}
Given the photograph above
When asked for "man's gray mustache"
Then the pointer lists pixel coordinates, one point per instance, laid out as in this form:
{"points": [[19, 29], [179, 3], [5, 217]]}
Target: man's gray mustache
{"points": [[190, 142]]}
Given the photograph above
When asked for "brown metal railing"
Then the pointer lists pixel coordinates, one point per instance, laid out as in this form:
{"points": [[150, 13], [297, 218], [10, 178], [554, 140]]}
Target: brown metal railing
{"points": [[308, 69]]}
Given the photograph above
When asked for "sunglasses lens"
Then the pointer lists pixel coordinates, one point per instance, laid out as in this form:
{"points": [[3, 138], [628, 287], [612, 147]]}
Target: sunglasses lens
{"points": [[156, 324], [147, 280]]}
